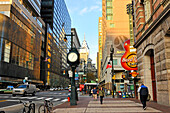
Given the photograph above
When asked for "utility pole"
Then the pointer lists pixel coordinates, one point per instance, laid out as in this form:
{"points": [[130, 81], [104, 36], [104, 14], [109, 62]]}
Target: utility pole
{"points": [[111, 58]]}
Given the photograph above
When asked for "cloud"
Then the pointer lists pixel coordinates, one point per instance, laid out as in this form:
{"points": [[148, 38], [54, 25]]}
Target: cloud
{"points": [[99, 2], [84, 10], [91, 9]]}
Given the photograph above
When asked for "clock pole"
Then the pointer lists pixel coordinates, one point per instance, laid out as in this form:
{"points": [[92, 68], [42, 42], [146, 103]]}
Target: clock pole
{"points": [[73, 88], [73, 64]]}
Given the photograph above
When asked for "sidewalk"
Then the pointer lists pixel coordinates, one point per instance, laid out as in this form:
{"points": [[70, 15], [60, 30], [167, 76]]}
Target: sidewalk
{"points": [[110, 105]]}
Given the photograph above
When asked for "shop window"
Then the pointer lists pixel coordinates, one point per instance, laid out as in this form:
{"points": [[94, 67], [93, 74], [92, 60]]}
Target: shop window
{"points": [[114, 61]]}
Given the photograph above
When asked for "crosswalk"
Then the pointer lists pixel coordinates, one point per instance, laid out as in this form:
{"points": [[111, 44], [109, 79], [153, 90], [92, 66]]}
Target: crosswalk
{"points": [[35, 98]]}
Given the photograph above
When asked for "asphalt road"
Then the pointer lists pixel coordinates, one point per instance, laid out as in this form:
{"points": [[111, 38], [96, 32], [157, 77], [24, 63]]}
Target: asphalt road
{"points": [[11, 104]]}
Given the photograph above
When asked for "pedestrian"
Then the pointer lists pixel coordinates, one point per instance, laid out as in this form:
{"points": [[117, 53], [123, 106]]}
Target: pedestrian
{"points": [[92, 92], [95, 93], [101, 94], [143, 90]]}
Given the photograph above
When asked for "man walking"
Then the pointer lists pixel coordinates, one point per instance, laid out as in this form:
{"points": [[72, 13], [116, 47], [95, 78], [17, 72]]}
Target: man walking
{"points": [[143, 90]]}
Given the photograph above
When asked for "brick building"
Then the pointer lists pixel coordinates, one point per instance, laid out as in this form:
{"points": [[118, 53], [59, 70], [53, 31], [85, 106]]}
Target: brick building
{"points": [[153, 49]]}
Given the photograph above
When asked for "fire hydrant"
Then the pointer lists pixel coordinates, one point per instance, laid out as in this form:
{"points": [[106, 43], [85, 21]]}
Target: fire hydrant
{"points": [[68, 98]]}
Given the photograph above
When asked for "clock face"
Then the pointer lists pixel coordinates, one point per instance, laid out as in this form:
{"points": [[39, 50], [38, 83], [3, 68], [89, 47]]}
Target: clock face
{"points": [[72, 57]]}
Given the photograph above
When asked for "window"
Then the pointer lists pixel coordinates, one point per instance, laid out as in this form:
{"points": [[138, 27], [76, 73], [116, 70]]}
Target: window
{"points": [[114, 61], [109, 11], [147, 9], [38, 21], [7, 50], [109, 3], [32, 40], [112, 25], [109, 17]]}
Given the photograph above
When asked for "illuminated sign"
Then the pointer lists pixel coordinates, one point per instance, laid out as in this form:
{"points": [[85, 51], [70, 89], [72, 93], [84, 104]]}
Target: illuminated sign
{"points": [[129, 59]]}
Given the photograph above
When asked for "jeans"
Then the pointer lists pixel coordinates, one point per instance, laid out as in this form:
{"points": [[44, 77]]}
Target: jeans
{"points": [[143, 99], [101, 99]]}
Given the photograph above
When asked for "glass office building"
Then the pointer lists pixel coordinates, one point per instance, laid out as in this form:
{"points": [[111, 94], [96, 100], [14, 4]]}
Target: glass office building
{"points": [[55, 13], [21, 30]]}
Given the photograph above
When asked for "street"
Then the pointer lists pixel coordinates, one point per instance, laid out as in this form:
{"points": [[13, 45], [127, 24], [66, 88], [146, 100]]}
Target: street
{"points": [[11, 104]]}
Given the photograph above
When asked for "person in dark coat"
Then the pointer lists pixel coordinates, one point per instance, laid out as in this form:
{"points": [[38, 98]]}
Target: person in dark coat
{"points": [[95, 93], [143, 90], [101, 94]]}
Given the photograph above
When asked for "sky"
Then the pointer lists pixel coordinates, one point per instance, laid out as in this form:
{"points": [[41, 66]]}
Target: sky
{"points": [[84, 17]]}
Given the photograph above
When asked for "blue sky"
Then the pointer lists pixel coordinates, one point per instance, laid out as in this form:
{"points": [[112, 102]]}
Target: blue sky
{"points": [[84, 17]]}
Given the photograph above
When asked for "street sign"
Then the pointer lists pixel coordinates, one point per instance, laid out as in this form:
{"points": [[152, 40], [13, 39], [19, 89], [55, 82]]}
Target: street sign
{"points": [[70, 73]]}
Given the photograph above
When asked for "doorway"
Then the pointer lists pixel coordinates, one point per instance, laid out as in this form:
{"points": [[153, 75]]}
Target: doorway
{"points": [[149, 76]]}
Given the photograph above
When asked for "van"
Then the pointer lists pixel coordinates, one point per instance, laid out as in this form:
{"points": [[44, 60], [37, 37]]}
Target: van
{"points": [[24, 89]]}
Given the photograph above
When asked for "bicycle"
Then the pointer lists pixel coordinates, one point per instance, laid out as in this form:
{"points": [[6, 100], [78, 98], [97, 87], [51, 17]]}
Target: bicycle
{"points": [[29, 107], [47, 107]]}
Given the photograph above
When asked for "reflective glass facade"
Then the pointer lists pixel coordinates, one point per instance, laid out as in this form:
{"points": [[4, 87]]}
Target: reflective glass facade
{"points": [[55, 13]]}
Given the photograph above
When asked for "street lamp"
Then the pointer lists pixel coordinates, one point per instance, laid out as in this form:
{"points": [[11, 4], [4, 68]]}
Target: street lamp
{"points": [[111, 58]]}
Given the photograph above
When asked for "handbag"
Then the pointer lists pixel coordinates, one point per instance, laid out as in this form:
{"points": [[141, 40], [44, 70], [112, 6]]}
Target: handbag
{"points": [[149, 97]]}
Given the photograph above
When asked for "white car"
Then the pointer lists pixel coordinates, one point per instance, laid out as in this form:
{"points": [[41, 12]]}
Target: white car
{"points": [[24, 89], [52, 89]]}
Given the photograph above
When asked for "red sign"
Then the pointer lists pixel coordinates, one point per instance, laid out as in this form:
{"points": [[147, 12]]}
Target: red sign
{"points": [[108, 66], [129, 59]]}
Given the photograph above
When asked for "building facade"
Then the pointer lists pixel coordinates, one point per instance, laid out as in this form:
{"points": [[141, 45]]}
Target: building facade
{"points": [[55, 13], [152, 43], [99, 54], [115, 31], [21, 32]]}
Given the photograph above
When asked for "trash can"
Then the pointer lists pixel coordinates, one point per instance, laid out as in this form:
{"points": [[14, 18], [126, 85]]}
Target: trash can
{"points": [[124, 95]]}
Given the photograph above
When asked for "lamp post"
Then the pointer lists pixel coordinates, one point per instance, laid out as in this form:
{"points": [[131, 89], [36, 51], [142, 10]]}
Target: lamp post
{"points": [[111, 58], [73, 64]]}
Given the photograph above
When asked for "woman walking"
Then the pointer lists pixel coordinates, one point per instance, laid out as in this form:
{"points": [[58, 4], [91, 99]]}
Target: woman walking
{"points": [[101, 94]]}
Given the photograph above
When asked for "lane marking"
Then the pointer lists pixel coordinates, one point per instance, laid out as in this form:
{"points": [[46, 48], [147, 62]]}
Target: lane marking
{"points": [[40, 98], [56, 99], [48, 98], [64, 100]]}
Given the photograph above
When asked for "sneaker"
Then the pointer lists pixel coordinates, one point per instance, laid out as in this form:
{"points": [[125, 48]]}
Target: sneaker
{"points": [[144, 108]]}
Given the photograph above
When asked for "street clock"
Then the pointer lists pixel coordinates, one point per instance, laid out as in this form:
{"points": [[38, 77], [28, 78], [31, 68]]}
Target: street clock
{"points": [[73, 57]]}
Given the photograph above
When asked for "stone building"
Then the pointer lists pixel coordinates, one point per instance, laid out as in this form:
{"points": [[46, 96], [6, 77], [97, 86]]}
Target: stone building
{"points": [[153, 47]]}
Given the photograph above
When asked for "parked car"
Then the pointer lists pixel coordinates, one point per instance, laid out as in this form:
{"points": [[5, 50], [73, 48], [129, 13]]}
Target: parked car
{"points": [[52, 89], [37, 89], [24, 89], [7, 90]]}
